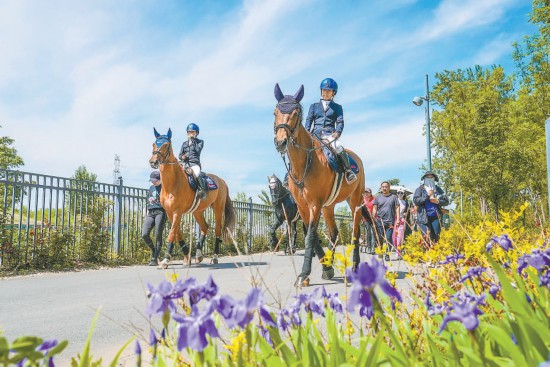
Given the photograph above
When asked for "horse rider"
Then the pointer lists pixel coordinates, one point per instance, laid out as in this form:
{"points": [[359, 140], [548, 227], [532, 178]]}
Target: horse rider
{"points": [[325, 120], [190, 155]]}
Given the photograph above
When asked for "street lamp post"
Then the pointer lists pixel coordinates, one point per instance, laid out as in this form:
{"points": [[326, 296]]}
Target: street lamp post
{"points": [[418, 101]]}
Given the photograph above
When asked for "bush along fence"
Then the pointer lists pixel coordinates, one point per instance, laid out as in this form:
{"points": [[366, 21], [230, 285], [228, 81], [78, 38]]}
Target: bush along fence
{"points": [[49, 222]]}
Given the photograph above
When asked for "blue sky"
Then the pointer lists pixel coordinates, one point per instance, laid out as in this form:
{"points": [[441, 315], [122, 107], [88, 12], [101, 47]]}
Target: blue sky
{"points": [[81, 81]]}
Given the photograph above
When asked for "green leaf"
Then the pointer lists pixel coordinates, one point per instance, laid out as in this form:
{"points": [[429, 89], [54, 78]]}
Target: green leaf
{"points": [[58, 348], [4, 347], [504, 339], [117, 356], [85, 359]]}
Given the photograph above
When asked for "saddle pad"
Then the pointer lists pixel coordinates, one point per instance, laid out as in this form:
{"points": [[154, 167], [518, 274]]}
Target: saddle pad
{"points": [[210, 184], [335, 164]]}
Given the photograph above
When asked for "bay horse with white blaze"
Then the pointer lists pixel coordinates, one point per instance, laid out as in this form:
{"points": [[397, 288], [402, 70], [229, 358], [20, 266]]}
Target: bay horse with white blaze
{"points": [[177, 198], [313, 184]]}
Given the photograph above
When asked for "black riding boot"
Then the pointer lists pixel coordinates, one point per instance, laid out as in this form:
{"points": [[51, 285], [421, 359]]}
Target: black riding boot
{"points": [[201, 190], [155, 256], [350, 175]]}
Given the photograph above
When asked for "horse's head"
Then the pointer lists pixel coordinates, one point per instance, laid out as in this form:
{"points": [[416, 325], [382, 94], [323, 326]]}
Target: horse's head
{"points": [[288, 114], [162, 148], [276, 188]]}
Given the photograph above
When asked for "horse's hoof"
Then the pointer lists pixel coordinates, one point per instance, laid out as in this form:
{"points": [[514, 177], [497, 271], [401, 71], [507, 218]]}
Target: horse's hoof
{"points": [[328, 274], [198, 259], [301, 282], [163, 264]]}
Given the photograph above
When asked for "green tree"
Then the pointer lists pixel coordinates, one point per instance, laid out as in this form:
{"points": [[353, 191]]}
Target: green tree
{"points": [[81, 199], [394, 181], [475, 147], [265, 198], [241, 196], [532, 108], [9, 159]]}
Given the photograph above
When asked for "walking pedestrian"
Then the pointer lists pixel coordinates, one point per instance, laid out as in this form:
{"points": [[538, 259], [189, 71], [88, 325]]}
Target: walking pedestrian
{"points": [[386, 212], [429, 198], [155, 218]]}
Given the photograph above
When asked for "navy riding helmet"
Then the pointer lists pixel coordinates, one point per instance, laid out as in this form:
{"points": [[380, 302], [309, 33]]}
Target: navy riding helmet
{"points": [[193, 127], [330, 84]]}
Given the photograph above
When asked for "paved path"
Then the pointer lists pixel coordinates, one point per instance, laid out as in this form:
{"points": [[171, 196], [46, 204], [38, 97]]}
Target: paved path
{"points": [[62, 305]]}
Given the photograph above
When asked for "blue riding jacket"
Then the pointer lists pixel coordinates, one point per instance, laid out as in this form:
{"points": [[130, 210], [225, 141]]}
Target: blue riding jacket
{"points": [[192, 149], [321, 122]]}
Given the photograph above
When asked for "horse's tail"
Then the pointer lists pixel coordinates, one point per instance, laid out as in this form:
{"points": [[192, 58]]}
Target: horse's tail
{"points": [[229, 217]]}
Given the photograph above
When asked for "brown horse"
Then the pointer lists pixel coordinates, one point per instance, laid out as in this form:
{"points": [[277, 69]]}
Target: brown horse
{"points": [[178, 198], [313, 184]]}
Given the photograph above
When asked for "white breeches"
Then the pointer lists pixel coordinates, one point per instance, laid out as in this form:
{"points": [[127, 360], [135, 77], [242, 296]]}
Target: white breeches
{"points": [[334, 143], [196, 170]]}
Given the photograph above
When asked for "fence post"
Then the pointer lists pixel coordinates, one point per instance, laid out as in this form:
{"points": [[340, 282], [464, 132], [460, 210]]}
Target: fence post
{"points": [[249, 224], [118, 215]]}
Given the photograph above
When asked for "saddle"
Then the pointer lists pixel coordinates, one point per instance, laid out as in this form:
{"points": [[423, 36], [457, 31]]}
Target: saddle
{"points": [[335, 164], [210, 184]]}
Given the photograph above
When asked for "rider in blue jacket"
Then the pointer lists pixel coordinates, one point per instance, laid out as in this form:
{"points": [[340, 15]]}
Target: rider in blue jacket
{"points": [[325, 120], [190, 155]]}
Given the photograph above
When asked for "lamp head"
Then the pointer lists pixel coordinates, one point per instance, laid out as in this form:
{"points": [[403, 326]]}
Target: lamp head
{"points": [[418, 101]]}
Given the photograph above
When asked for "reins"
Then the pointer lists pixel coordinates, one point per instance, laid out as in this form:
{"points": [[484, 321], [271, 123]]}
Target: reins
{"points": [[164, 156], [293, 142]]}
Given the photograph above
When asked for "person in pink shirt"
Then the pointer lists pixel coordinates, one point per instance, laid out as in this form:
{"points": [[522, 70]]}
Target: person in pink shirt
{"points": [[368, 220], [401, 222]]}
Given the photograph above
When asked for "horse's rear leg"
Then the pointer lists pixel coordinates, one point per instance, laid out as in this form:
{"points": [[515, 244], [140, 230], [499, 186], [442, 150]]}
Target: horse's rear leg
{"points": [[174, 230], [183, 246], [203, 226]]}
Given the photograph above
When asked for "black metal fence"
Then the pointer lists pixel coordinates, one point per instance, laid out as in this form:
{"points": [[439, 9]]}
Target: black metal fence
{"points": [[44, 217]]}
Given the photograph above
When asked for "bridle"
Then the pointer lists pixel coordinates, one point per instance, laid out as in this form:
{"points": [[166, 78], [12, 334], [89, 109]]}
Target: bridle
{"points": [[161, 155], [290, 107]]}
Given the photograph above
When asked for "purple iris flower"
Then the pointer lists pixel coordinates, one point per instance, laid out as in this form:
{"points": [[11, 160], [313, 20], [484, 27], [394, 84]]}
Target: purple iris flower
{"points": [[152, 338], [161, 298], [474, 272], [137, 351], [192, 329], [433, 309], [242, 312], [333, 301], [205, 291], [312, 302], [503, 241], [289, 316], [265, 334], [463, 308], [452, 259], [513, 337], [545, 279], [363, 281], [493, 290]]}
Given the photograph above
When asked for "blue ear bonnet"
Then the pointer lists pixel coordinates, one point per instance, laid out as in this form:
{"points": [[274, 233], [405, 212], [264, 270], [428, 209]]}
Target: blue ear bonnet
{"points": [[161, 140]]}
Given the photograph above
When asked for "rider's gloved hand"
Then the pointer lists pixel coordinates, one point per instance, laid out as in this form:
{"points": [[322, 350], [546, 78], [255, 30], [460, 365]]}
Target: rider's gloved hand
{"points": [[335, 135], [183, 157]]}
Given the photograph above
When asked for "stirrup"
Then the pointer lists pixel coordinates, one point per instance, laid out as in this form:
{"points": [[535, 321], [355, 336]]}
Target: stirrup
{"points": [[350, 176], [201, 194]]}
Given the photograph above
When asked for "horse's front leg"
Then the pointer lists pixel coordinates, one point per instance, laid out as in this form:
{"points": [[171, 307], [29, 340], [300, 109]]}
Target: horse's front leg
{"points": [[292, 246], [311, 245], [279, 218]]}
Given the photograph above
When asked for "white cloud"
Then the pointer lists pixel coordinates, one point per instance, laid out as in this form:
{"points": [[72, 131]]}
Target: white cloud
{"points": [[494, 50], [453, 16]]}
